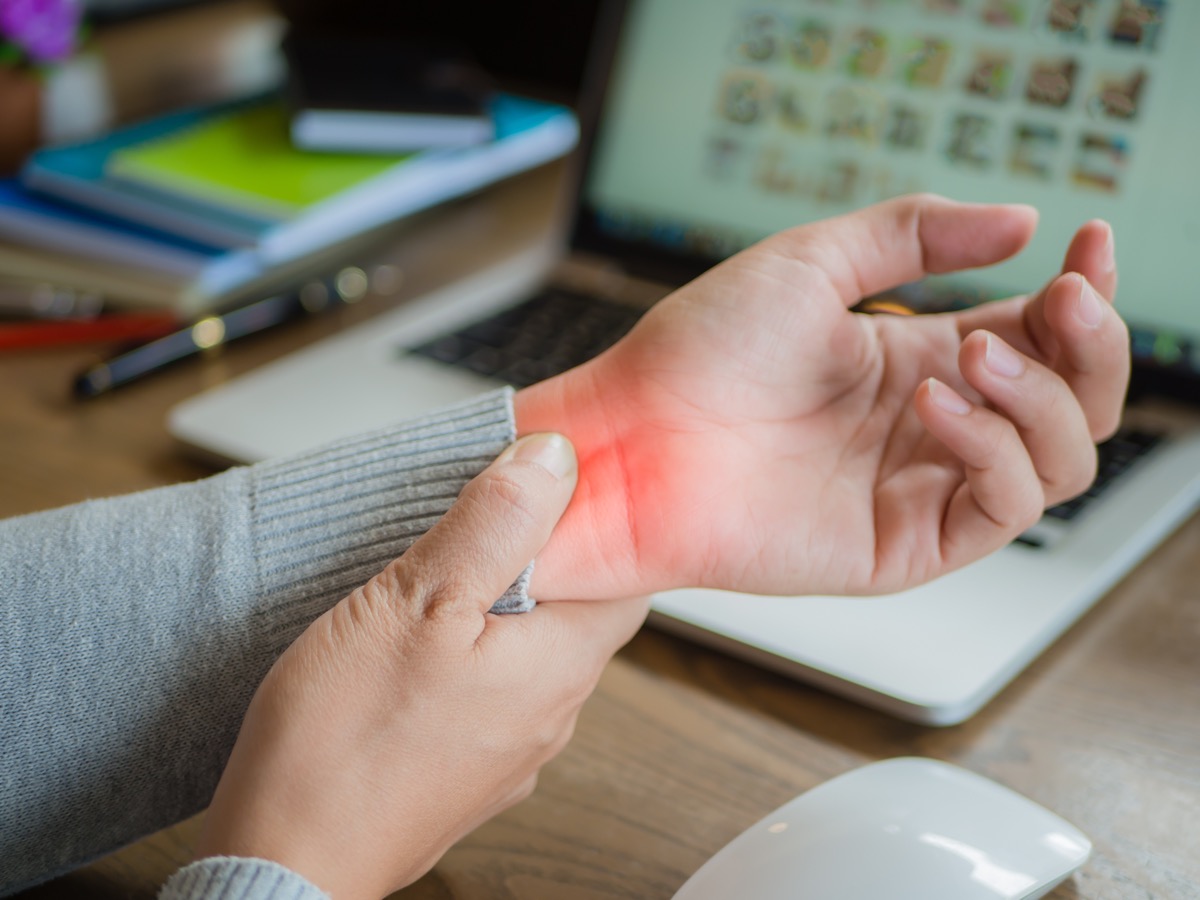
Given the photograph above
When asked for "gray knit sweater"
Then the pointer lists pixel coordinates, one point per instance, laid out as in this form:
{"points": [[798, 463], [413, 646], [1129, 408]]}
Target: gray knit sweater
{"points": [[134, 630]]}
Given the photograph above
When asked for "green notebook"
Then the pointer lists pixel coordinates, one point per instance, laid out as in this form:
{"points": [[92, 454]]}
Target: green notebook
{"points": [[202, 171], [245, 161]]}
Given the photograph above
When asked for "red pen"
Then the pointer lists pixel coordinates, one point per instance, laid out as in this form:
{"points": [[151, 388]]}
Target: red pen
{"points": [[107, 327]]}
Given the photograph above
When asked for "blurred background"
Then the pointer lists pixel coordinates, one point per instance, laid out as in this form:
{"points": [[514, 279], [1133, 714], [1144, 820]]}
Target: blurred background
{"points": [[147, 56], [155, 155]]}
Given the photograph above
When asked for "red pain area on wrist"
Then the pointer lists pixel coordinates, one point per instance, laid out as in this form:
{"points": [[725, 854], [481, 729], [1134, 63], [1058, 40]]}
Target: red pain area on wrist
{"points": [[599, 548]]}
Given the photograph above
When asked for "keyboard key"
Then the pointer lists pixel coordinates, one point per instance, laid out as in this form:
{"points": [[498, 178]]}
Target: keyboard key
{"points": [[536, 340], [1115, 457]]}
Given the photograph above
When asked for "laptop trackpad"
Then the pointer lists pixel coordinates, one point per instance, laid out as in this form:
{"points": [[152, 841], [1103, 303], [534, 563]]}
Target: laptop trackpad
{"points": [[260, 420]]}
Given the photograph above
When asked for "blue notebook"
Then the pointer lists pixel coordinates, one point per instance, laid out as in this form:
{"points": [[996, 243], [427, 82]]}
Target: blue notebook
{"points": [[196, 273], [528, 133]]}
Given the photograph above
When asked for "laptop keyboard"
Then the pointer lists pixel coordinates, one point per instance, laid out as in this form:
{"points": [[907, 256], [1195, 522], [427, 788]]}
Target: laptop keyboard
{"points": [[543, 337], [558, 330], [1116, 456]]}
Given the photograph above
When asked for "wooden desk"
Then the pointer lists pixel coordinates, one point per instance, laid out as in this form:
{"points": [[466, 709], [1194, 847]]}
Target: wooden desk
{"points": [[682, 748]]}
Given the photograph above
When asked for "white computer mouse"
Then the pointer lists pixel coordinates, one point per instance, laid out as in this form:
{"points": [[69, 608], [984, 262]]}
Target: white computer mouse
{"points": [[901, 829]]}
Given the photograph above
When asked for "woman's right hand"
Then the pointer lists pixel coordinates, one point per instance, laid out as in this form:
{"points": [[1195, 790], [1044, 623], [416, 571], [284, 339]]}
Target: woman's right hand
{"points": [[754, 433]]}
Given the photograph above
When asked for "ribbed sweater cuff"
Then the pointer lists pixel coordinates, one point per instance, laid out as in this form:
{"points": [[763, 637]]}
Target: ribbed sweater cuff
{"points": [[234, 878], [326, 521]]}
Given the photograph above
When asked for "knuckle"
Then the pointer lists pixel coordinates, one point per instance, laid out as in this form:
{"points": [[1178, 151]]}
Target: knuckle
{"points": [[399, 598], [526, 788], [994, 444], [912, 208], [375, 609], [552, 736], [1031, 506], [545, 737], [916, 203], [1045, 410], [373, 602], [1028, 508], [389, 583], [526, 741], [1029, 501], [439, 602]]}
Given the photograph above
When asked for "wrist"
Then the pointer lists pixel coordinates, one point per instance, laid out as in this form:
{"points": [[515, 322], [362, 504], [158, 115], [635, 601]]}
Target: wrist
{"points": [[593, 552]]}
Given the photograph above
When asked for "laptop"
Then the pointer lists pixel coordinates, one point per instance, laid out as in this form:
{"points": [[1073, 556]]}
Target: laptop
{"points": [[716, 122]]}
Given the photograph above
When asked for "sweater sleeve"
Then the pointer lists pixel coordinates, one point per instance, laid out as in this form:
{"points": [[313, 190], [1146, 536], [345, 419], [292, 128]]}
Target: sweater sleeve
{"points": [[134, 630], [234, 878]]}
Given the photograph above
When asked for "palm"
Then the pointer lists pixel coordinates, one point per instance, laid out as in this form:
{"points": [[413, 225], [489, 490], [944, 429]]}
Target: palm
{"points": [[849, 471]]}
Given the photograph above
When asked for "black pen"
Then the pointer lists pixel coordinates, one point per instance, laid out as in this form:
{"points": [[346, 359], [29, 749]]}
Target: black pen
{"points": [[348, 286]]}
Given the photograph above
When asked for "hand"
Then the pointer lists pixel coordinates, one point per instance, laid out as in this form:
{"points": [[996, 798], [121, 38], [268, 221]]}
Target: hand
{"points": [[408, 715], [752, 433]]}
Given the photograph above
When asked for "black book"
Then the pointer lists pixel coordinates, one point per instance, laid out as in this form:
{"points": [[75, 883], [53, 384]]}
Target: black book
{"points": [[354, 93]]}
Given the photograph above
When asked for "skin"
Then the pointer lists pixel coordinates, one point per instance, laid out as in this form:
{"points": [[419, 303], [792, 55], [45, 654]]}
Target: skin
{"points": [[407, 715], [754, 434], [750, 433]]}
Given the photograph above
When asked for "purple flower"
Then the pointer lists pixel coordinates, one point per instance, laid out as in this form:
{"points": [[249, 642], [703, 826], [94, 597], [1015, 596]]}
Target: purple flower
{"points": [[44, 29]]}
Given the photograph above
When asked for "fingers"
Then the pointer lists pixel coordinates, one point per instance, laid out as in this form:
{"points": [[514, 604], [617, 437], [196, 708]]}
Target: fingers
{"points": [[1032, 449], [493, 531], [1071, 325], [905, 239], [1048, 419], [1002, 495], [1092, 255], [1093, 345]]}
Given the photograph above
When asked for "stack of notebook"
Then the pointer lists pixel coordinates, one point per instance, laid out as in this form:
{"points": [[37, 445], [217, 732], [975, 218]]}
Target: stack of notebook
{"points": [[203, 207]]}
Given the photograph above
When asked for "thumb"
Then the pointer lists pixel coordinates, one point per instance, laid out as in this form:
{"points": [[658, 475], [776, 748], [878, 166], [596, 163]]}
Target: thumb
{"points": [[495, 528], [904, 239]]}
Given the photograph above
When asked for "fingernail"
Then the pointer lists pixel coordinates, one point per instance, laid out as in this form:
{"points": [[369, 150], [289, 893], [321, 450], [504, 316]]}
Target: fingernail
{"points": [[1087, 308], [947, 398], [1001, 360], [551, 451]]}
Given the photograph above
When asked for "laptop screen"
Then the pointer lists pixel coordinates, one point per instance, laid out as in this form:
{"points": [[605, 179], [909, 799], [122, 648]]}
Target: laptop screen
{"points": [[726, 120]]}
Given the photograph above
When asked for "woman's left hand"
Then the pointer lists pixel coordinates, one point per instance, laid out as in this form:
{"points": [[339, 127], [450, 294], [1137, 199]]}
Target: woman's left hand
{"points": [[408, 714]]}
